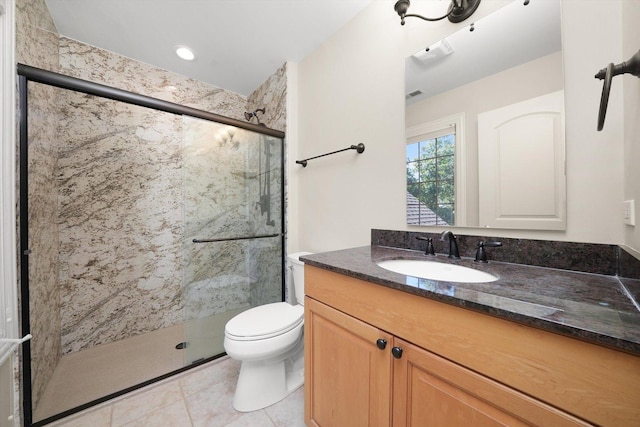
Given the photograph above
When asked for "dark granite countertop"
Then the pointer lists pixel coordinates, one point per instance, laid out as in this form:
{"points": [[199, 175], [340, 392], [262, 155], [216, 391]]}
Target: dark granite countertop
{"points": [[592, 307]]}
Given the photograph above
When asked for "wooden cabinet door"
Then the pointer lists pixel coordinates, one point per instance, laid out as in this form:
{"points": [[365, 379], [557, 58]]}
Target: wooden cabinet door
{"points": [[430, 391], [347, 377]]}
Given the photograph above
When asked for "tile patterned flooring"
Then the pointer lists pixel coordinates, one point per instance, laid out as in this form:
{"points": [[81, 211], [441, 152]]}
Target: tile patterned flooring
{"points": [[200, 397]]}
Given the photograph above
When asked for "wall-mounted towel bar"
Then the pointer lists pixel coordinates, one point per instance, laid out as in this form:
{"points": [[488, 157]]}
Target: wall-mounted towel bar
{"points": [[228, 239], [632, 66], [359, 148]]}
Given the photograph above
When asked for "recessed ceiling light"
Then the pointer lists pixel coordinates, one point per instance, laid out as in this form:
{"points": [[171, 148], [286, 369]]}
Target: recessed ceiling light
{"points": [[185, 53]]}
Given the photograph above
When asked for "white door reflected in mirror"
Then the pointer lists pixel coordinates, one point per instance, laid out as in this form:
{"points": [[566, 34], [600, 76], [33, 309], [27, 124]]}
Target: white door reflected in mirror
{"points": [[521, 160]]}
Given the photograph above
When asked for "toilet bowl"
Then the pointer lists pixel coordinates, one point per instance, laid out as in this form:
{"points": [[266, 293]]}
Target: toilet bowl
{"points": [[268, 340]]}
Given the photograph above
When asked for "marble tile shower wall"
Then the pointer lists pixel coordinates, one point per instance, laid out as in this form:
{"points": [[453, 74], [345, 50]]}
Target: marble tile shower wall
{"points": [[36, 35], [158, 237], [272, 94], [101, 66], [213, 209], [44, 244], [222, 167], [204, 296], [120, 218], [136, 275], [263, 273], [37, 44]]}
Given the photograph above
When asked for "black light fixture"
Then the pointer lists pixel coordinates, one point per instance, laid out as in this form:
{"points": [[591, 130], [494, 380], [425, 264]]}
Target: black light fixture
{"points": [[458, 11]]}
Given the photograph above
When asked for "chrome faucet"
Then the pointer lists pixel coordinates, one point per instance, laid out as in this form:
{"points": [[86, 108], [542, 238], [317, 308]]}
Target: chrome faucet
{"points": [[453, 244]]}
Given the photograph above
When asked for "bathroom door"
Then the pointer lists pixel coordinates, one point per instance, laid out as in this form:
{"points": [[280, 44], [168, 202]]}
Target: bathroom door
{"points": [[233, 216], [521, 161]]}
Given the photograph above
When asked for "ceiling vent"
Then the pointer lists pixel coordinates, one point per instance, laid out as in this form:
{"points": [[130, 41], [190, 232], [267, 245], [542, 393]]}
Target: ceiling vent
{"points": [[413, 94], [438, 50]]}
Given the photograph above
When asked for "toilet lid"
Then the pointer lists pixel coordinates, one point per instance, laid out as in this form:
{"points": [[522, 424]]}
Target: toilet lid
{"points": [[265, 321]]}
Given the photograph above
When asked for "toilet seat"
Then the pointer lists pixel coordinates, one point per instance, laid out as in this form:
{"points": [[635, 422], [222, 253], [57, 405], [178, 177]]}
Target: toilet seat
{"points": [[265, 321]]}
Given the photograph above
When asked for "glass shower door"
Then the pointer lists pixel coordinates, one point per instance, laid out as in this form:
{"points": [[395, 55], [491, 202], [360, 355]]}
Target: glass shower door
{"points": [[134, 222], [232, 247]]}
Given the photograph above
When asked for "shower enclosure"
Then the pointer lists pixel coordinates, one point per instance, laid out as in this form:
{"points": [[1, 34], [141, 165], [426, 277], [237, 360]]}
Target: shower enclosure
{"points": [[145, 226]]}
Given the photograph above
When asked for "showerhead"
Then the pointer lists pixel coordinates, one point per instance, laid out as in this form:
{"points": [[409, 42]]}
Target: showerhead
{"points": [[248, 116]]}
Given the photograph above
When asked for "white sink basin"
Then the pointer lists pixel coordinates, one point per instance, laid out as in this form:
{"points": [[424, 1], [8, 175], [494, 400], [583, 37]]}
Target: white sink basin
{"points": [[437, 271]]}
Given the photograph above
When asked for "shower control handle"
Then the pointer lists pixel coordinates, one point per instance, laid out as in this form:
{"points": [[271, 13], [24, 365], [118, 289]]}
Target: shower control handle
{"points": [[381, 343]]}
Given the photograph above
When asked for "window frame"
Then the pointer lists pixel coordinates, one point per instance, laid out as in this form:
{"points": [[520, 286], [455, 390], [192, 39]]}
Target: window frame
{"points": [[456, 121]]}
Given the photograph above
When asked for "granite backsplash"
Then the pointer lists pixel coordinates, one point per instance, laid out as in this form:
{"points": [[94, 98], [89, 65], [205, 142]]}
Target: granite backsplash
{"points": [[611, 260]]}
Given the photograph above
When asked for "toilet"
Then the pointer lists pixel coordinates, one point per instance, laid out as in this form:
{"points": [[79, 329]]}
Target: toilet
{"points": [[268, 340]]}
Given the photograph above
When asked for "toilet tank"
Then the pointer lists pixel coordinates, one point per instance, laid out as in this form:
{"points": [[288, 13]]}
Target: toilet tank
{"points": [[297, 267]]}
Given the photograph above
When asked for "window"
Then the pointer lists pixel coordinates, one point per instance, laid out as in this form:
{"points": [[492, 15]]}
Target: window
{"points": [[432, 173]]}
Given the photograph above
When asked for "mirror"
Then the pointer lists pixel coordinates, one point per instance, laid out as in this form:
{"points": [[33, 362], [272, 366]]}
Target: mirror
{"points": [[501, 62]]}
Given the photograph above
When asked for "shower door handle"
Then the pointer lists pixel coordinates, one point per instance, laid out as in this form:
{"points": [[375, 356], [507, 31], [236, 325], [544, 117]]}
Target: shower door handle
{"points": [[227, 239]]}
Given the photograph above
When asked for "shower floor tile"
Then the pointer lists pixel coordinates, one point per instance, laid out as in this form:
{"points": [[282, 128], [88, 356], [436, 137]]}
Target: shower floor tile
{"points": [[199, 397], [93, 373]]}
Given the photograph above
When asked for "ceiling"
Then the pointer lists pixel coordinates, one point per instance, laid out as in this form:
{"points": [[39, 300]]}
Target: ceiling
{"points": [[238, 43]]}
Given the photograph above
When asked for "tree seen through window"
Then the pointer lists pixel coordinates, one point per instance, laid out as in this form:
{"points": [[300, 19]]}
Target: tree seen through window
{"points": [[431, 182]]}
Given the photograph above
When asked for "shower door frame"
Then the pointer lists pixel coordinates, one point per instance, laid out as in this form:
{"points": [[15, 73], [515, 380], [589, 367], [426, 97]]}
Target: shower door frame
{"points": [[28, 74]]}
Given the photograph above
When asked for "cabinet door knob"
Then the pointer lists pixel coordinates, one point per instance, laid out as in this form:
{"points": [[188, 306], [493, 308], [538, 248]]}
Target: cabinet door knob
{"points": [[381, 343], [397, 352]]}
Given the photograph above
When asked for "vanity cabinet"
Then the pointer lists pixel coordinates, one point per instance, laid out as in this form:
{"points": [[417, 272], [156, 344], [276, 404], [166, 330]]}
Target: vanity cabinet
{"points": [[350, 376], [429, 390], [456, 367]]}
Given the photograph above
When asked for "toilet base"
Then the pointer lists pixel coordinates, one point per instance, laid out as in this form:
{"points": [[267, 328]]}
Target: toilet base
{"points": [[263, 383]]}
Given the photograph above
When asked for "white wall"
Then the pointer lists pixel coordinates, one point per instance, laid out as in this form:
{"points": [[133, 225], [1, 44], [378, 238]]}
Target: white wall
{"points": [[290, 156], [631, 86], [351, 90], [591, 39]]}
